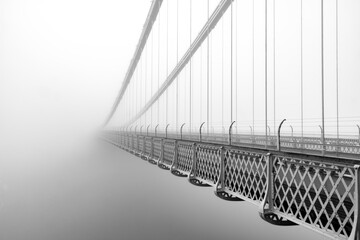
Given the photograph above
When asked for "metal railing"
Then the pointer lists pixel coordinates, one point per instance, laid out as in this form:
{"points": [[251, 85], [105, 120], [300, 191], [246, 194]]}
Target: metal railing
{"points": [[319, 192]]}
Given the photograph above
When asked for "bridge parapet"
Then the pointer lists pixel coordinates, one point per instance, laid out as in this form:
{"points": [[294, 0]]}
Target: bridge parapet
{"points": [[318, 192]]}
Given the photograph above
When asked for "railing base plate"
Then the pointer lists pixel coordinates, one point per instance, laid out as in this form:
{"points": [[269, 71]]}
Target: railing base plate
{"points": [[226, 196], [163, 166], [198, 183], [276, 219], [152, 161], [178, 173]]}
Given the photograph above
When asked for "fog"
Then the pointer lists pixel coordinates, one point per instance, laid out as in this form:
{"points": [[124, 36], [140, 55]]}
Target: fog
{"points": [[61, 66]]}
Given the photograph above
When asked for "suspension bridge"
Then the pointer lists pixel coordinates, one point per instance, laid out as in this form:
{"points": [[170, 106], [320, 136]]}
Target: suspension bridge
{"points": [[251, 98]]}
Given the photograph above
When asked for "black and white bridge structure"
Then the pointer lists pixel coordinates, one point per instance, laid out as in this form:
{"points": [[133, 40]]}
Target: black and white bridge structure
{"points": [[248, 97]]}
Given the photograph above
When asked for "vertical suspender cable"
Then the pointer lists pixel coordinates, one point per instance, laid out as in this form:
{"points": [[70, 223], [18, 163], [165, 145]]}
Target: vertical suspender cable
{"points": [[337, 71], [266, 130], [177, 61], [152, 74], [231, 66], [274, 56], [253, 65], [210, 83], [236, 64], [146, 76], [136, 88], [139, 87], [158, 68], [201, 80], [190, 107], [222, 74], [207, 73], [322, 76], [167, 57], [301, 72]]}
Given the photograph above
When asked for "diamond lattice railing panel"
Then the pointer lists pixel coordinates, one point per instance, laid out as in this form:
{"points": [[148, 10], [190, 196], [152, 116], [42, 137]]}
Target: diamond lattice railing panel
{"points": [[169, 150], [208, 162], [157, 148], [317, 193], [185, 154], [245, 174], [148, 141]]}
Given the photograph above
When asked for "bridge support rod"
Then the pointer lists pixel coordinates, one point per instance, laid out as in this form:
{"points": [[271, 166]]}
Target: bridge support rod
{"points": [[355, 233], [161, 157], [192, 175], [175, 160], [267, 205], [266, 208], [220, 190]]}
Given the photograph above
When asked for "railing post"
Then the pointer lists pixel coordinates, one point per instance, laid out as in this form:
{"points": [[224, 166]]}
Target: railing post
{"points": [[230, 131], [161, 158], [193, 167], [355, 233], [175, 160], [267, 205], [359, 131], [166, 130], [141, 129], [181, 130], [152, 149], [136, 140], [131, 145], [144, 147], [200, 137], [220, 183], [278, 135]]}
